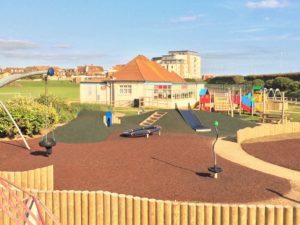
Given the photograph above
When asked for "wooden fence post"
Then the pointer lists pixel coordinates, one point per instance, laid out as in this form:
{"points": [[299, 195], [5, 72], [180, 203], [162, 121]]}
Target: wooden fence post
{"points": [[107, 210], [278, 215], [144, 211], [152, 212], [100, 207], [192, 214], [136, 211], [77, 203], [71, 208], [288, 215], [200, 214], [63, 208], [114, 209], [92, 208], [208, 214], [129, 210], [85, 208]]}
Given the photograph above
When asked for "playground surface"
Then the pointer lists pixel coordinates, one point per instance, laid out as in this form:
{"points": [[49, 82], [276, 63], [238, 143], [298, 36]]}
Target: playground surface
{"points": [[285, 153], [162, 167]]}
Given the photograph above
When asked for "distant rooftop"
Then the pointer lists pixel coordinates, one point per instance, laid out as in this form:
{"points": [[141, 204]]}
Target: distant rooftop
{"points": [[183, 52]]}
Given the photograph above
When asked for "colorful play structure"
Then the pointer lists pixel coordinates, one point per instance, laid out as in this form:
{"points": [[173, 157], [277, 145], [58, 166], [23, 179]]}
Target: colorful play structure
{"points": [[258, 100]]}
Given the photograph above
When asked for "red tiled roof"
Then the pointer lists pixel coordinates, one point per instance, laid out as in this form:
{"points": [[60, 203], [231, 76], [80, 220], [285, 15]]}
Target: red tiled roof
{"points": [[143, 69]]}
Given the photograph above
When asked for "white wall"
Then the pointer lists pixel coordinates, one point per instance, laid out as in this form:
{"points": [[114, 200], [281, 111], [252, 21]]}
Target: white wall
{"points": [[94, 93]]}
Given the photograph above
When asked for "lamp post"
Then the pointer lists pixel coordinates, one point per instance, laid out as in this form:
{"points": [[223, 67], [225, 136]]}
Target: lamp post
{"points": [[215, 169]]}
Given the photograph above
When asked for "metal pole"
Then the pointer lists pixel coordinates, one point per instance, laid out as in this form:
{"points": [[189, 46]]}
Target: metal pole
{"points": [[14, 122], [214, 152]]}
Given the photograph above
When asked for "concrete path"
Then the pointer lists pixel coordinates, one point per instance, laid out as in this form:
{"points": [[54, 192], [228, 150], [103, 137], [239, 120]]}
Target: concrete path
{"points": [[233, 152]]}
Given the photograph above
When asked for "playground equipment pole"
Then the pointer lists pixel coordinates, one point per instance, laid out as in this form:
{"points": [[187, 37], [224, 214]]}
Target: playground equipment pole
{"points": [[215, 169], [282, 119]]}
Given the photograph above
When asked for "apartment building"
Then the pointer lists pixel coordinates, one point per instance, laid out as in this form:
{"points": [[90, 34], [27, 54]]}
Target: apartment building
{"points": [[187, 64]]}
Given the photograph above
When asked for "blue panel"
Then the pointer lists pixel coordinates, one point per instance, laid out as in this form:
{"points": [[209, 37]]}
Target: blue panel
{"points": [[109, 119], [203, 92]]}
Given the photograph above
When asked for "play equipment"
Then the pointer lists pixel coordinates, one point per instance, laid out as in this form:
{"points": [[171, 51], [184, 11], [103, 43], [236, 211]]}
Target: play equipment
{"points": [[6, 80], [142, 131], [192, 120], [258, 100], [23, 211], [215, 169], [48, 142], [153, 118], [217, 101], [110, 118]]}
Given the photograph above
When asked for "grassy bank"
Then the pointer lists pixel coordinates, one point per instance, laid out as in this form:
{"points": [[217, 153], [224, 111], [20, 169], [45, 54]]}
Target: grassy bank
{"points": [[64, 89]]}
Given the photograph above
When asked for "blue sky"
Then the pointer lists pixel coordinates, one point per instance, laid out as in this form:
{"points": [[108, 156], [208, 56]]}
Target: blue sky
{"points": [[232, 36]]}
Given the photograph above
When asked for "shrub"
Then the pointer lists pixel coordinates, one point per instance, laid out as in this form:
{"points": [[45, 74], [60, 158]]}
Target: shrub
{"points": [[30, 116], [65, 112]]}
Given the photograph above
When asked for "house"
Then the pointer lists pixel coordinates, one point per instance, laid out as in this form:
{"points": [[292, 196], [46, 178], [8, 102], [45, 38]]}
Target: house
{"points": [[141, 82]]}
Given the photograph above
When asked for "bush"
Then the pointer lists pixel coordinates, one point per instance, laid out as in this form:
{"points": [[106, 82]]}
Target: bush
{"points": [[30, 116], [65, 112]]}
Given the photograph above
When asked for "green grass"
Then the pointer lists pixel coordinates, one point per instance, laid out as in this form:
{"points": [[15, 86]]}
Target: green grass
{"points": [[64, 89], [294, 113]]}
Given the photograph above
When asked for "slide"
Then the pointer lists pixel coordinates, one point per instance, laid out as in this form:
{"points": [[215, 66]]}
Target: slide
{"points": [[192, 120]]}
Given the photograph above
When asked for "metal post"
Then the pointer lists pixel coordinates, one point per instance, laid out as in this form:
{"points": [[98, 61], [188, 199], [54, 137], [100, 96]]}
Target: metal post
{"points": [[14, 122], [282, 120]]}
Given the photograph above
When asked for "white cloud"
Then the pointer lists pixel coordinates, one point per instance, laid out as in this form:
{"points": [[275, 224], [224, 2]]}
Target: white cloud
{"points": [[250, 30], [266, 4], [11, 44], [183, 19], [52, 56], [64, 46]]}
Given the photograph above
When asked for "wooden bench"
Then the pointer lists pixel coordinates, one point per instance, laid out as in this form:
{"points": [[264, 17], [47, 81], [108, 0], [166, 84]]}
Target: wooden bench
{"points": [[272, 118]]}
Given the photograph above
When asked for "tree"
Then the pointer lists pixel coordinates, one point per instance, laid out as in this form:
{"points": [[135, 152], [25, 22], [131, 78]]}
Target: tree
{"points": [[283, 83], [258, 82], [269, 83], [238, 79]]}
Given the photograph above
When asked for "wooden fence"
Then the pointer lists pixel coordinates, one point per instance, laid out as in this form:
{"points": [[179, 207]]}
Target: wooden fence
{"points": [[105, 208], [267, 130], [39, 179]]}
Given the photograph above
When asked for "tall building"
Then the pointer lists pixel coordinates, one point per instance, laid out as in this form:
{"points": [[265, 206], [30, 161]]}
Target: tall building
{"points": [[186, 64]]}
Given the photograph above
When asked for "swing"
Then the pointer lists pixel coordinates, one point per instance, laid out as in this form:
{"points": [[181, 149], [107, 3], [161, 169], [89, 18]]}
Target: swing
{"points": [[48, 142]]}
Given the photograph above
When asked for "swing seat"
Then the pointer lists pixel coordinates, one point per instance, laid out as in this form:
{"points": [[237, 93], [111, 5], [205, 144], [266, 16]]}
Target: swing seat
{"points": [[48, 144]]}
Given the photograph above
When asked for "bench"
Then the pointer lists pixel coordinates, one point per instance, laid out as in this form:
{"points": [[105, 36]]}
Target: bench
{"points": [[272, 118]]}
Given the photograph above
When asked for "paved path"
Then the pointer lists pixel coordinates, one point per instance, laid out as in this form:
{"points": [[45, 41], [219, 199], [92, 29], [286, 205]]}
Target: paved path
{"points": [[233, 152]]}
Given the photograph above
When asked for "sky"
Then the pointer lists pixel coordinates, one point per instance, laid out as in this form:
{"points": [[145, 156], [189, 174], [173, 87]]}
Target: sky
{"points": [[231, 36]]}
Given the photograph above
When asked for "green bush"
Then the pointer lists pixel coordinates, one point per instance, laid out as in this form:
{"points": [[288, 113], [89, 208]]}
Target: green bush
{"points": [[30, 116], [65, 112]]}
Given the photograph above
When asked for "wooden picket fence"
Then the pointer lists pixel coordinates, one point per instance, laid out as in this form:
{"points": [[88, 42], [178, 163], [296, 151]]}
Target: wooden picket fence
{"points": [[265, 130], [105, 208], [39, 179]]}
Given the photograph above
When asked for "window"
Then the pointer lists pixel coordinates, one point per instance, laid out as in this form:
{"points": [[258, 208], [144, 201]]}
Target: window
{"points": [[90, 90], [126, 89]]}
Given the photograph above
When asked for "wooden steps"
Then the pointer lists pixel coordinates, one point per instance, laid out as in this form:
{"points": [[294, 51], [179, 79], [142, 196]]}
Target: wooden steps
{"points": [[153, 118]]}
